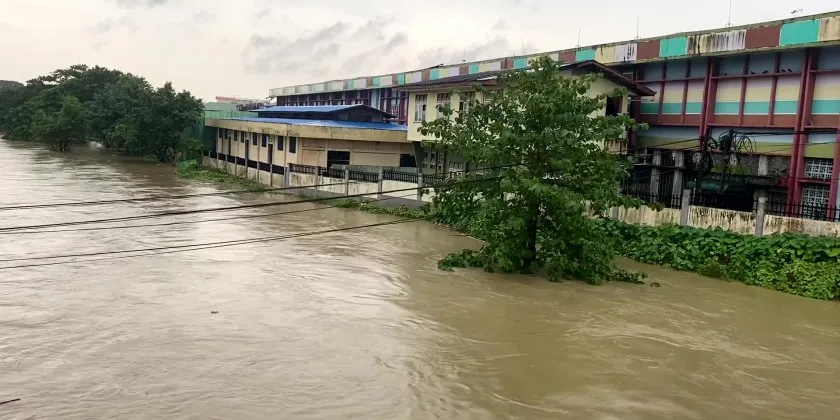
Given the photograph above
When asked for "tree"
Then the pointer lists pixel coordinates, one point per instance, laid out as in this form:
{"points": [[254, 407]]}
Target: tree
{"points": [[70, 123], [542, 137]]}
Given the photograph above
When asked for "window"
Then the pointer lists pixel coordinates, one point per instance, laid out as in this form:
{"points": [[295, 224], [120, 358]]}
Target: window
{"points": [[613, 107], [465, 102], [292, 144], [443, 99], [265, 140], [816, 168], [814, 201], [254, 139], [419, 108], [235, 135], [280, 141], [407, 161], [242, 136], [336, 157], [220, 133]]}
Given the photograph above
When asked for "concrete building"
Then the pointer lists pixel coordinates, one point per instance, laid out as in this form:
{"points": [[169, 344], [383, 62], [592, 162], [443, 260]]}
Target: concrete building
{"points": [[778, 80], [316, 136], [459, 91]]}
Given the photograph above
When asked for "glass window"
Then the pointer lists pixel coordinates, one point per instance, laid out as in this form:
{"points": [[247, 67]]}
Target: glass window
{"points": [[280, 140], [254, 139], [292, 144], [265, 140], [419, 108]]}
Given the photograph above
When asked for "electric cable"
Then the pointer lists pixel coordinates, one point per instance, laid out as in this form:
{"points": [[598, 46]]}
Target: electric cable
{"points": [[156, 198], [196, 211], [209, 245], [187, 222]]}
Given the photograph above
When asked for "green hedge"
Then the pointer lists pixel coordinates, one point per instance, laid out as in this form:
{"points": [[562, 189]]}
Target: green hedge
{"points": [[791, 263]]}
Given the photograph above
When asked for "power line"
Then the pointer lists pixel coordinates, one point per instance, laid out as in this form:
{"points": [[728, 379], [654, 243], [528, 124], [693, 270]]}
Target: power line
{"points": [[155, 198], [186, 222], [217, 209], [196, 247]]}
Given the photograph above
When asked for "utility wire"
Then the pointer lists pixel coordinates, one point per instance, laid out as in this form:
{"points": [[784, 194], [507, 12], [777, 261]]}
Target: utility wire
{"points": [[220, 209], [196, 247], [155, 198], [186, 222]]}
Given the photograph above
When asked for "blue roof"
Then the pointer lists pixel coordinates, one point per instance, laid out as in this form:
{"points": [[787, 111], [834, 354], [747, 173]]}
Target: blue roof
{"points": [[326, 123]]}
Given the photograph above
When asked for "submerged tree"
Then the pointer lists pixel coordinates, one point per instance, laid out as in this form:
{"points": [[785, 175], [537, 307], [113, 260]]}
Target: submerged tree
{"points": [[71, 123], [542, 137]]}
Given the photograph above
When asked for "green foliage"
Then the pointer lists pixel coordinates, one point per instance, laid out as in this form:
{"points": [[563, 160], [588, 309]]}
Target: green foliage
{"points": [[10, 85], [791, 263], [192, 169], [534, 214], [122, 111]]}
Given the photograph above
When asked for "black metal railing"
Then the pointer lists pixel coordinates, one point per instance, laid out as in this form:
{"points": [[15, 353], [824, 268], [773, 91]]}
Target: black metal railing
{"points": [[364, 176], [303, 169], [277, 169], [672, 201], [802, 211], [726, 201], [331, 172], [394, 175]]}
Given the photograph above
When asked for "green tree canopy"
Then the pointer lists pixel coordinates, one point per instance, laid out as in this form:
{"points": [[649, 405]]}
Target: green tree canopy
{"points": [[120, 110], [542, 135]]}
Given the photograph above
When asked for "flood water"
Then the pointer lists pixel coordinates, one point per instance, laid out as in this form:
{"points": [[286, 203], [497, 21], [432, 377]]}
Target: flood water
{"points": [[361, 324]]}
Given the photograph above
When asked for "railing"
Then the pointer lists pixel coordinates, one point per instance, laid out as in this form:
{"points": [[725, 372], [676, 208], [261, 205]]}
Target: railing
{"points": [[394, 175], [364, 176], [803, 211], [727, 201], [672, 201], [331, 172], [303, 169]]}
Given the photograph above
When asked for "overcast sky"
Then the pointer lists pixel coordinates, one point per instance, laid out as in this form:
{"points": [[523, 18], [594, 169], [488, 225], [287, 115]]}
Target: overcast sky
{"points": [[245, 47]]}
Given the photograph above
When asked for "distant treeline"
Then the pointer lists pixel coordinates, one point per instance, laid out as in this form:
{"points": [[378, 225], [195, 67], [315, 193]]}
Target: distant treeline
{"points": [[120, 110]]}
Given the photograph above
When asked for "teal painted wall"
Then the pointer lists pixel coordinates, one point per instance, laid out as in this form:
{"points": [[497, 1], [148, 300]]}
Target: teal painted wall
{"points": [[583, 55], [650, 108], [785, 107], [825, 106], [671, 108], [474, 68], [434, 74], [401, 79], [803, 32], [727, 108], [693, 107], [673, 47], [520, 63]]}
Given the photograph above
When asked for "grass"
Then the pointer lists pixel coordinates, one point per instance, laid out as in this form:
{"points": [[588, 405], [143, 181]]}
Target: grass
{"points": [[191, 169]]}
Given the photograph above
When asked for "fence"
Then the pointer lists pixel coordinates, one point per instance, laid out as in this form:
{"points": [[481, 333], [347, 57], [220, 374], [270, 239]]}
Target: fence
{"points": [[737, 213]]}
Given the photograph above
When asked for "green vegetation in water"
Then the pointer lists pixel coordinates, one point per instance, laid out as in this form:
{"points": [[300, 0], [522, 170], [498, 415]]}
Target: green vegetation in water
{"points": [[121, 111], [790, 263], [192, 169]]}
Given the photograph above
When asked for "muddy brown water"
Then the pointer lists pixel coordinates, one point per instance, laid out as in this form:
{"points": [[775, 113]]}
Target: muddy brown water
{"points": [[361, 324]]}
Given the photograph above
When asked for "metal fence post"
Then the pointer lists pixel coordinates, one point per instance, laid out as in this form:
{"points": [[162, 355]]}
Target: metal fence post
{"points": [[759, 216], [420, 187], [347, 181], [685, 207], [379, 182]]}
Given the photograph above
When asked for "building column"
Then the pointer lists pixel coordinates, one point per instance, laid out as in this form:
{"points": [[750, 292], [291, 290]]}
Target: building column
{"points": [[679, 164], [654, 172], [803, 111]]}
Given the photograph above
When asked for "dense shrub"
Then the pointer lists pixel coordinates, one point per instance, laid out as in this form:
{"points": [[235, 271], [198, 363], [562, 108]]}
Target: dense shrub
{"points": [[791, 263]]}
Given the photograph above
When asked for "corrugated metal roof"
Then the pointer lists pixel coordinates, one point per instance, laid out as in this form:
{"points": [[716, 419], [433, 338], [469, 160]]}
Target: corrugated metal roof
{"points": [[326, 123], [323, 109]]}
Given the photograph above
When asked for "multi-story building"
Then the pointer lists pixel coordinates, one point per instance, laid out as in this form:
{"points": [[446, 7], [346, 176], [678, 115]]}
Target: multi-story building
{"points": [[459, 92], [777, 83]]}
